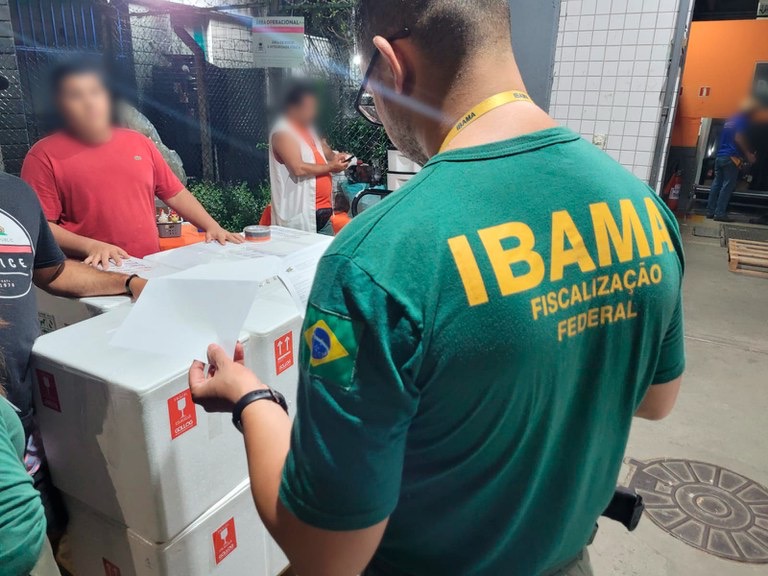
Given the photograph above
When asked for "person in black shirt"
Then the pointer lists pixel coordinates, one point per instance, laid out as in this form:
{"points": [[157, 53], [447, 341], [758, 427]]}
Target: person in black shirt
{"points": [[29, 255]]}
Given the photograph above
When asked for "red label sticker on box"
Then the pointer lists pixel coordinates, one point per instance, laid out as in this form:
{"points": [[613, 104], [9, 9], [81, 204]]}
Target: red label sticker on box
{"points": [[110, 569], [224, 540], [49, 395], [181, 413], [283, 353]]}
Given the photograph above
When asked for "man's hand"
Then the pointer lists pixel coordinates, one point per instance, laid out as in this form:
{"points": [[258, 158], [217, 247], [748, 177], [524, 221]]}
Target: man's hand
{"points": [[100, 253], [218, 234], [226, 382], [751, 158], [339, 162]]}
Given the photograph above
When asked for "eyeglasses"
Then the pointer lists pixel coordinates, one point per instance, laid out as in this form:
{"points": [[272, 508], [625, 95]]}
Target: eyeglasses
{"points": [[365, 103]]}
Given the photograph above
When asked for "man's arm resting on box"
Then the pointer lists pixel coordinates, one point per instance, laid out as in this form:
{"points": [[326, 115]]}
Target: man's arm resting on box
{"points": [[189, 208], [90, 251], [77, 280], [267, 430]]}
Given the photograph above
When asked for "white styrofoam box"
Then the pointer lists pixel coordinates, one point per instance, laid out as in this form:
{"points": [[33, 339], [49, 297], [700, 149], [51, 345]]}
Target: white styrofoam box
{"points": [[227, 540], [274, 336], [397, 181], [397, 162], [120, 429], [56, 312], [122, 434]]}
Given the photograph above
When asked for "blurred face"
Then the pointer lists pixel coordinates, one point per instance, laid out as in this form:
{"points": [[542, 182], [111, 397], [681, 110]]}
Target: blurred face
{"points": [[85, 106], [306, 112]]}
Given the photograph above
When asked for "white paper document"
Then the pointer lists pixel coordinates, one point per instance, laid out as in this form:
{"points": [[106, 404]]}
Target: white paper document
{"points": [[254, 270], [192, 255], [144, 268], [180, 315], [299, 269]]}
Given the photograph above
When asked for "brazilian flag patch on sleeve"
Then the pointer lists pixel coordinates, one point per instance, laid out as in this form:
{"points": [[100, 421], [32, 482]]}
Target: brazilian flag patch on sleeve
{"points": [[330, 346]]}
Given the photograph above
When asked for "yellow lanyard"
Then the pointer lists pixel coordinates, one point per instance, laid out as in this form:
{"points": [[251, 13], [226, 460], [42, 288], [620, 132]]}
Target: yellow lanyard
{"points": [[482, 109]]}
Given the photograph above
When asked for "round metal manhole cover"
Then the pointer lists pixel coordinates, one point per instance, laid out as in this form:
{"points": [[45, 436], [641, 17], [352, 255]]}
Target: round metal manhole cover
{"points": [[706, 506]]}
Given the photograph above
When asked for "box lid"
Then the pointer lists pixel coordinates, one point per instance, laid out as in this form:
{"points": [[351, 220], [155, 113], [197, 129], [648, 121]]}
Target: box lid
{"points": [[85, 347]]}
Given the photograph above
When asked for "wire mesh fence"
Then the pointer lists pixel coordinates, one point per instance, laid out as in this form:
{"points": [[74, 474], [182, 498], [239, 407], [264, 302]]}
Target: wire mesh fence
{"points": [[189, 68]]}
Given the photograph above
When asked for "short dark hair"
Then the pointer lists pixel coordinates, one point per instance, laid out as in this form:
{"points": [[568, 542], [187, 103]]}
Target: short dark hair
{"points": [[295, 94], [446, 31], [65, 70]]}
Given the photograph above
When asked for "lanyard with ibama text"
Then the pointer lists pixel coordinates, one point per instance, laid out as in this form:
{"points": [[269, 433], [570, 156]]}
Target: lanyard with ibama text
{"points": [[482, 109]]}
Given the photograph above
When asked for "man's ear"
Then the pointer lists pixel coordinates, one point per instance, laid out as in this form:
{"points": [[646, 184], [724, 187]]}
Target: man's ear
{"points": [[392, 61]]}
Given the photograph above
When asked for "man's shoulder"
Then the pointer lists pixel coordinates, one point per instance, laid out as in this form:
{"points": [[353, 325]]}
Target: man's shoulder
{"points": [[384, 222], [130, 135], [49, 144], [17, 197], [12, 186]]}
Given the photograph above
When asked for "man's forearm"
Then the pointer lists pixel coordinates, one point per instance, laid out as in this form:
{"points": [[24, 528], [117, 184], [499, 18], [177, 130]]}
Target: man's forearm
{"points": [[741, 142], [267, 431], [189, 208], [77, 280], [73, 245], [305, 170], [311, 551]]}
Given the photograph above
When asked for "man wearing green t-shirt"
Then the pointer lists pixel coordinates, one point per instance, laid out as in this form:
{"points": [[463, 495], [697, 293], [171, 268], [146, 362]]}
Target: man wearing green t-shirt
{"points": [[476, 345]]}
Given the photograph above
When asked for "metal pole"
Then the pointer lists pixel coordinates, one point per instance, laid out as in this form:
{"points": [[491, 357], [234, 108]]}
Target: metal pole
{"points": [[202, 100]]}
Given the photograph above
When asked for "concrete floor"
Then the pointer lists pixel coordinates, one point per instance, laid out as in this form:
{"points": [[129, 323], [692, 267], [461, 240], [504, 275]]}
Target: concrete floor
{"points": [[721, 417]]}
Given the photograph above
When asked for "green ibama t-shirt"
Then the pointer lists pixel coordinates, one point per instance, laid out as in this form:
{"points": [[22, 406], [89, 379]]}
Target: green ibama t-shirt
{"points": [[475, 348], [22, 517]]}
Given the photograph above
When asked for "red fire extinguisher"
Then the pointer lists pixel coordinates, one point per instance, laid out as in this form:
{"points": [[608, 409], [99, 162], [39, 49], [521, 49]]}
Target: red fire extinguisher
{"points": [[672, 190]]}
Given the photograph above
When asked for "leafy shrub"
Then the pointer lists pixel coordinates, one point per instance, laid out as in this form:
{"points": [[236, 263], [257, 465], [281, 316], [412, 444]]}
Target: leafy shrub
{"points": [[234, 206]]}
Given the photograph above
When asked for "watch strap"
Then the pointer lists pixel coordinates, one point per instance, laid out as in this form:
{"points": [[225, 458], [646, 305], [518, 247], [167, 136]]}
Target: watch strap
{"points": [[128, 284], [255, 396]]}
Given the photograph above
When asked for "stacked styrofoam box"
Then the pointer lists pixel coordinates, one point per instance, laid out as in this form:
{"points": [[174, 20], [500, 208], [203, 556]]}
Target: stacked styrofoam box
{"points": [[400, 169], [56, 312], [122, 434], [226, 540], [128, 447]]}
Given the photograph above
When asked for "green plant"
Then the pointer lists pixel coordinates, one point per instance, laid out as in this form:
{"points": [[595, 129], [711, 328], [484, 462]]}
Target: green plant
{"points": [[234, 206]]}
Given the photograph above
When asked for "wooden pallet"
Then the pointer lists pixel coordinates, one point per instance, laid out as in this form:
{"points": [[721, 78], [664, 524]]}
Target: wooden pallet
{"points": [[748, 257]]}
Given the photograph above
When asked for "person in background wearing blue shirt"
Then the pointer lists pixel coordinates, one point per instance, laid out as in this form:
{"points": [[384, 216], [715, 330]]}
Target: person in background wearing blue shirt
{"points": [[734, 150]]}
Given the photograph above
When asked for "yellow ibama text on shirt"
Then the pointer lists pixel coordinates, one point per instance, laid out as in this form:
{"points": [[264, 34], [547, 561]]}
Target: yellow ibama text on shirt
{"points": [[615, 241]]}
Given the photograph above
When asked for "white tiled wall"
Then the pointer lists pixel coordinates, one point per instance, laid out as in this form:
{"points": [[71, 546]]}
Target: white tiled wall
{"points": [[610, 72]]}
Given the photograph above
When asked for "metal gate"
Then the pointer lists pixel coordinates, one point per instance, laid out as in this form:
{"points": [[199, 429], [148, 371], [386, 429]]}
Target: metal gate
{"points": [[45, 32]]}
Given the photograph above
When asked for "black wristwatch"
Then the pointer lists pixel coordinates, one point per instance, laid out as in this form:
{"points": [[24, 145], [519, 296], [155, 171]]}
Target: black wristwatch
{"points": [[250, 398], [128, 284]]}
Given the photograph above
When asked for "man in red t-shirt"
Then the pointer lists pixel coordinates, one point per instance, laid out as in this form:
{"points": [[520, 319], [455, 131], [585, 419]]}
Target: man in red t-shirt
{"points": [[97, 183]]}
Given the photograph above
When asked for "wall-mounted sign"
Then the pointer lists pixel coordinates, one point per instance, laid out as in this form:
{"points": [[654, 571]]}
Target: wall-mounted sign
{"points": [[761, 82], [762, 9], [705, 91], [278, 42]]}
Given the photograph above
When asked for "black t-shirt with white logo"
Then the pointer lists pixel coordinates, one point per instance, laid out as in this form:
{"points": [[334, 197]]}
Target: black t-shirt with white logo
{"points": [[26, 244]]}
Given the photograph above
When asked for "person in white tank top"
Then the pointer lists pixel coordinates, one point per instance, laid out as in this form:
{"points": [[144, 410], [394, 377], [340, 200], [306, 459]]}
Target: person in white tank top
{"points": [[300, 166]]}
